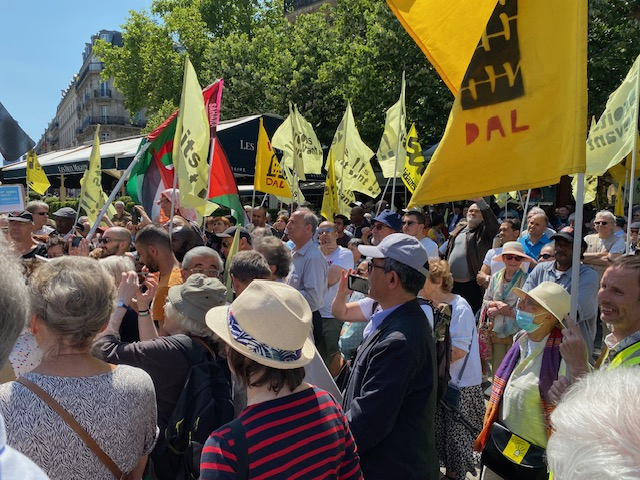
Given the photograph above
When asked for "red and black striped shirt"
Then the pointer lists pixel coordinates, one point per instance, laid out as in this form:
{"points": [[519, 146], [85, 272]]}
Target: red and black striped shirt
{"points": [[302, 435]]}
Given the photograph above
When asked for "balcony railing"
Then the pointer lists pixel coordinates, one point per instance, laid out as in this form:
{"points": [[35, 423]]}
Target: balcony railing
{"points": [[102, 93]]}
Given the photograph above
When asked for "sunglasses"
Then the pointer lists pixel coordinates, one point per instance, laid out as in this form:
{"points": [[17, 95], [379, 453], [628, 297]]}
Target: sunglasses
{"points": [[325, 230], [546, 256], [409, 223], [600, 223], [371, 266], [513, 257], [379, 226], [42, 213]]}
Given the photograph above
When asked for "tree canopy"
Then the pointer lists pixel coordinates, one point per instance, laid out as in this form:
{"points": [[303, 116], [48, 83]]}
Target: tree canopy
{"points": [[352, 50]]}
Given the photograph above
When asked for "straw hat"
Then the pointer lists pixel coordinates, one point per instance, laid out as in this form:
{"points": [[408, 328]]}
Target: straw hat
{"points": [[268, 323], [550, 296], [514, 248]]}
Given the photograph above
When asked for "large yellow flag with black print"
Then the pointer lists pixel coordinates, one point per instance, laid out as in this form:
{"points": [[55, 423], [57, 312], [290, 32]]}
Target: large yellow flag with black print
{"points": [[519, 118]]}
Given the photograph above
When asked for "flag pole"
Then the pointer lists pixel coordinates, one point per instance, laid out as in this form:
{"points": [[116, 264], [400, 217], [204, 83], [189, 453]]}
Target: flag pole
{"points": [[344, 144], [384, 192], [116, 189], [395, 166], [577, 246], [524, 225], [632, 182]]}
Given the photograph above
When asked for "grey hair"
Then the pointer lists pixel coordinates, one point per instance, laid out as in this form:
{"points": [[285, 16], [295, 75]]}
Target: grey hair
{"points": [[247, 265], [14, 299], [276, 253], [596, 431], [74, 297], [116, 265], [260, 232], [201, 251], [189, 326], [536, 211], [309, 218], [33, 204], [119, 202], [606, 214], [411, 280]]}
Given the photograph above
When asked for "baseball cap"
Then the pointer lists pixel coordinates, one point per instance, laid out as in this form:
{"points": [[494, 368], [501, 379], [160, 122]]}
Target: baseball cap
{"points": [[635, 225], [390, 219], [66, 212], [401, 248], [23, 216], [567, 234], [231, 232]]}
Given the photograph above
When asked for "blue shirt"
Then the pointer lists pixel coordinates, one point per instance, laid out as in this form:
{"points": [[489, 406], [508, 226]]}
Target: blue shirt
{"points": [[533, 250], [377, 319]]}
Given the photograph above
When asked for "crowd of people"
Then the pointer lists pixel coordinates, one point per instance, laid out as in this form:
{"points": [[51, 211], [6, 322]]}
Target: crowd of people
{"points": [[318, 341]]}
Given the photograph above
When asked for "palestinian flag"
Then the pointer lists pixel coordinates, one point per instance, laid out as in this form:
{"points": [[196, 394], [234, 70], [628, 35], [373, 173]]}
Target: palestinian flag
{"points": [[154, 171], [223, 189]]}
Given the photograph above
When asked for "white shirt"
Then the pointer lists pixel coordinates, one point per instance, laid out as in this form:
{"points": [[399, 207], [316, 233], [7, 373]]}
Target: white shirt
{"points": [[431, 247], [343, 258]]}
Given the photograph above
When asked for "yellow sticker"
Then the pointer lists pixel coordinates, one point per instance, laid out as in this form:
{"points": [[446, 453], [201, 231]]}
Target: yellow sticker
{"points": [[516, 449]]}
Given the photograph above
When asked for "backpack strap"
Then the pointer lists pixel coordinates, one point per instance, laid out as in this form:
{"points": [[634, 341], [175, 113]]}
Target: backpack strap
{"points": [[241, 449], [74, 425]]}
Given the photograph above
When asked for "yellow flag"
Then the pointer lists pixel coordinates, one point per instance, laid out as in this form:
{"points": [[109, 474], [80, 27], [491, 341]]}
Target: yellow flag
{"points": [[268, 176], [296, 193], [613, 137], [590, 181], [391, 152], [302, 150], [353, 159], [414, 165], [191, 143], [92, 198], [518, 119], [36, 178], [447, 31], [334, 200]]}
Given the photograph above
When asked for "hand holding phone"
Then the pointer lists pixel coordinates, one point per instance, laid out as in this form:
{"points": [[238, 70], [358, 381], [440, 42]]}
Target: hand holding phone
{"points": [[358, 284]]}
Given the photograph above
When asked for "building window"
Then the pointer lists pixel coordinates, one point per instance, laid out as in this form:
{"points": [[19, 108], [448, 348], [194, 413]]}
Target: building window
{"points": [[104, 137]]}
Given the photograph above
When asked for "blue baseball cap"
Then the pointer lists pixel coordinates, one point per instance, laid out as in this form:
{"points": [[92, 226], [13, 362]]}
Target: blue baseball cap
{"points": [[390, 219]]}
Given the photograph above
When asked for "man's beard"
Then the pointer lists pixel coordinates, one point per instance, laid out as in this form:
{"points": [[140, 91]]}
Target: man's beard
{"points": [[473, 222]]}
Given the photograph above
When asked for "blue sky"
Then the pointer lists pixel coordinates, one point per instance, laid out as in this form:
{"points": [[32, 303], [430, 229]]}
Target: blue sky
{"points": [[41, 45]]}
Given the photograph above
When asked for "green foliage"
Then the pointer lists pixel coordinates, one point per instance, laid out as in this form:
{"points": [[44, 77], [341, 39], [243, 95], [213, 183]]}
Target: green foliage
{"points": [[354, 50]]}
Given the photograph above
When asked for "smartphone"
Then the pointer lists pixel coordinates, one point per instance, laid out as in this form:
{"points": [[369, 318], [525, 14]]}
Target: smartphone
{"points": [[135, 217], [358, 284], [75, 242]]}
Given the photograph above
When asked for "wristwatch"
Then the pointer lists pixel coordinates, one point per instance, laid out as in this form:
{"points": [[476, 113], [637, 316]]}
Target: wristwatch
{"points": [[120, 303]]}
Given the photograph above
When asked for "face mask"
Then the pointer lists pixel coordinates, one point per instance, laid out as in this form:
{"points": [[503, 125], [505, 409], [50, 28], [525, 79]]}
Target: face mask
{"points": [[525, 321]]}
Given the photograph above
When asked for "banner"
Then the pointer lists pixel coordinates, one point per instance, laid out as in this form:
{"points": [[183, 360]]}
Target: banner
{"points": [[447, 31], [268, 176], [92, 197], [391, 152], [14, 142], [348, 169], [36, 178], [414, 165], [518, 119], [302, 151], [191, 143]]}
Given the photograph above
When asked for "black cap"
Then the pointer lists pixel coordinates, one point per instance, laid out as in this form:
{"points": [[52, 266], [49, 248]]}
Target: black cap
{"points": [[567, 234]]}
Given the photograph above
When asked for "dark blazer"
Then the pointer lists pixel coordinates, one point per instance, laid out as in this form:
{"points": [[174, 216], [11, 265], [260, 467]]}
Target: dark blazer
{"points": [[390, 399]]}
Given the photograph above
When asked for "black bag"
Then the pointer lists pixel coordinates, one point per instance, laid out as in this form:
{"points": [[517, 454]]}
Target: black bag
{"points": [[204, 405], [512, 457], [442, 337], [452, 397]]}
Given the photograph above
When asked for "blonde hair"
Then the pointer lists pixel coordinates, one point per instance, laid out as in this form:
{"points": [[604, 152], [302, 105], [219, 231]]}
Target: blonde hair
{"points": [[439, 272]]}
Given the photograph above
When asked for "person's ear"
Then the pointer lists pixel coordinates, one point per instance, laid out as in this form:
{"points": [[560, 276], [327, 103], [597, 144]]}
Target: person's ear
{"points": [[35, 325]]}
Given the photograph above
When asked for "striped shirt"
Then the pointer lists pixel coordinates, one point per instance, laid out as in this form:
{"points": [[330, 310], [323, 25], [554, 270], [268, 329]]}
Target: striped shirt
{"points": [[302, 435]]}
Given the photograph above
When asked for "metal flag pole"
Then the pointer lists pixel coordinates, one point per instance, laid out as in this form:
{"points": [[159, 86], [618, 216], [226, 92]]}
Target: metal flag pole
{"points": [[524, 225], [632, 182], [577, 246]]}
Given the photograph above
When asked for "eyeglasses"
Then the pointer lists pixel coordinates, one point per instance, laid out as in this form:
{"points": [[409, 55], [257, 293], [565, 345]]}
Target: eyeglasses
{"points": [[409, 222], [513, 257], [42, 213], [546, 256], [379, 226], [600, 223], [371, 266], [105, 240], [325, 230], [209, 272]]}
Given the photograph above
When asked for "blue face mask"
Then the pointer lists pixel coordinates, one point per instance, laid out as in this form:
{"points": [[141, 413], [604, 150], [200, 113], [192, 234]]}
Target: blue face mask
{"points": [[525, 321]]}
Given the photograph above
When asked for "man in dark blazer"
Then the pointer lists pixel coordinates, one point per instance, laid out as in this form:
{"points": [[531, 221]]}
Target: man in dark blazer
{"points": [[390, 398]]}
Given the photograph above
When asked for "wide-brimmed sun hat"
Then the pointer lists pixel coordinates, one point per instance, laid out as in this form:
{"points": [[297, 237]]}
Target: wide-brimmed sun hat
{"points": [[197, 295], [514, 248], [268, 323], [550, 296]]}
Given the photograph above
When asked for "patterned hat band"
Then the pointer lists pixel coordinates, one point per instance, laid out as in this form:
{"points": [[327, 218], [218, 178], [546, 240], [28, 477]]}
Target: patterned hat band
{"points": [[257, 346]]}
